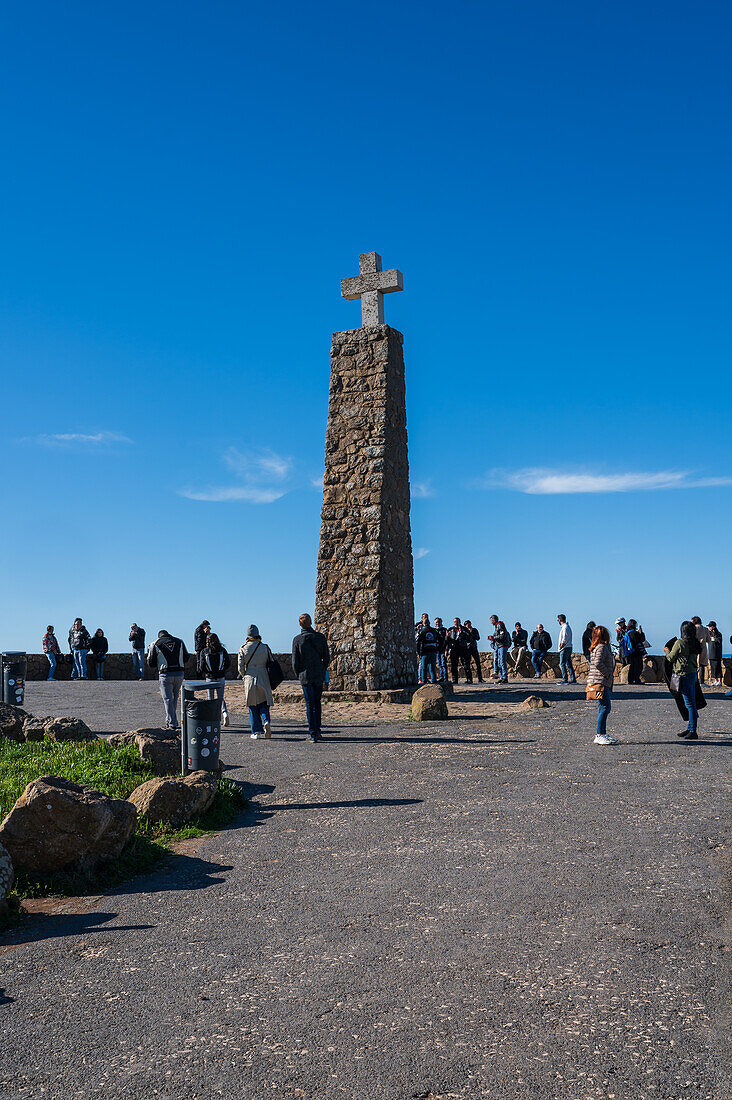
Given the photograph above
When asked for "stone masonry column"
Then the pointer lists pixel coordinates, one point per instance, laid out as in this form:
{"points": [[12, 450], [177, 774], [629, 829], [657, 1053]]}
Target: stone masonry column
{"points": [[365, 587]]}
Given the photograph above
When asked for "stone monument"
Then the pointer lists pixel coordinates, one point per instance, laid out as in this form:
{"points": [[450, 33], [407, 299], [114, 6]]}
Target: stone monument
{"points": [[365, 588]]}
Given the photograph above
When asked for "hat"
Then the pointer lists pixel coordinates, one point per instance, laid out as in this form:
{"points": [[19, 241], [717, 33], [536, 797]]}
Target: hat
{"points": [[253, 631], [619, 621]]}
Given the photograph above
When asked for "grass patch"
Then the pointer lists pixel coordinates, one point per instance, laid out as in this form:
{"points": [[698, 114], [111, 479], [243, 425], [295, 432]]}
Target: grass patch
{"points": [[115, 771]]}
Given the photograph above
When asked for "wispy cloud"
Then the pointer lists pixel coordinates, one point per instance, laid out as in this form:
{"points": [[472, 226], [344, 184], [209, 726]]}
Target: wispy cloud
{"points": [[81, 439], [421, 552], [421, 490], [318, 482], [545, 482], [260, 479]]}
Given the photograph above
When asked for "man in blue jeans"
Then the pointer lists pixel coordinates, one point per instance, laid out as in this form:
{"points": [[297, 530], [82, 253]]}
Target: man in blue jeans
{"points": [[310, 659], [137, 637], [168, 655], [540, 643]]}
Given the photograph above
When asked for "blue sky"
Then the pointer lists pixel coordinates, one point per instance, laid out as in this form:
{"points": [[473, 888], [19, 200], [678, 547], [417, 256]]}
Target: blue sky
{"points": [[185, 185]]}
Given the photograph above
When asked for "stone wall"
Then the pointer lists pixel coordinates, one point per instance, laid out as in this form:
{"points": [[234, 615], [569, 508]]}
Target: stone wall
{"points": [[652, 668], [118, 666], [365, 586]]}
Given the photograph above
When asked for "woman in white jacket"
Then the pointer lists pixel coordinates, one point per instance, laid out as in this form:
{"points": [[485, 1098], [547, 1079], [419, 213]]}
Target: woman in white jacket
{"points": [[253, 657]]}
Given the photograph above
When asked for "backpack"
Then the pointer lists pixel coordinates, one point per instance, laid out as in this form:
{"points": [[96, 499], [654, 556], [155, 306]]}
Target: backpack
{"points": [[628, 647]]}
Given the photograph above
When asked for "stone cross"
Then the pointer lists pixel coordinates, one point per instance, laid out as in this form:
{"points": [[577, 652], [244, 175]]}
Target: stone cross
{"points": [[370, 286]]}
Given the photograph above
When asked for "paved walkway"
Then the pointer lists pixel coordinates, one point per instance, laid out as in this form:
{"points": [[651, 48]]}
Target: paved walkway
{"points": [[490, 908]]}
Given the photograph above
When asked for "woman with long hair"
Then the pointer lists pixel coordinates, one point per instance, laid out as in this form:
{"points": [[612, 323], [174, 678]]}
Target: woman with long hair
{"points": [[683, 654], [213, 664], [600, 680]]}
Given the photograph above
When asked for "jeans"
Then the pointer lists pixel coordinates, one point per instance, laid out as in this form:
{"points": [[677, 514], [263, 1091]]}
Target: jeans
{"points": [[427, 665], [537, 659], [170, 685], [138, 663], [604, 707], [442, 666], [258, 715], [99, 667], [51, 666], [565, 665], [80, 663], [501, 665], [313, 694], [217, 692], [687, 687]]}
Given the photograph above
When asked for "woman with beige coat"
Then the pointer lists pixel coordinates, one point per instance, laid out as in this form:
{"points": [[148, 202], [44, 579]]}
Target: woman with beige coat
{"points": [[253, 657]]}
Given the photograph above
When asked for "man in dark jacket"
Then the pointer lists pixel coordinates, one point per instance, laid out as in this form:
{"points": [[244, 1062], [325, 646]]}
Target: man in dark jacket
{"points": [[473, 654], [200, 638], [441, 633], [587, 638], [79, 642], [427, 646], [519, 642], [458, 646], [169, 655], [541, 643], [137, 637], [634, 652], [310, 660]]}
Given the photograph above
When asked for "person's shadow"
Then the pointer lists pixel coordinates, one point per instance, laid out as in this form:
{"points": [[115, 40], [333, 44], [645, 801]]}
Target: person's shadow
{"points": [[46, 926]]}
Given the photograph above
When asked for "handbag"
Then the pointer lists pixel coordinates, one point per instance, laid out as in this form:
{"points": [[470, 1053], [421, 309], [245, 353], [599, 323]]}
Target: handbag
{"points": [[595, 691], [274, 670]]}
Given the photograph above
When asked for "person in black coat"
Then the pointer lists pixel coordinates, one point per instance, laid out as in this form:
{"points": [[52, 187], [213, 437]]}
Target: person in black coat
{"points": [[541, 643], [473, 654], [587, 638], [99, 647], [458, 646], [310, 660], [200, 638], [214, 663]]}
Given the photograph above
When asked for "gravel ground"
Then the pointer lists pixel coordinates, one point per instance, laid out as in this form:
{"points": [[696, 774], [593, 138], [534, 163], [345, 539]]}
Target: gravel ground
{"points": [[489, 907]]}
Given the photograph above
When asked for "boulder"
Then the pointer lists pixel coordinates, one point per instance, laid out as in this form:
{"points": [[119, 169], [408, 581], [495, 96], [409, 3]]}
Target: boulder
{"points": [[58, 825], [649, 672], [66, 729], [429, 703], [534, 702], [163, 755], [11, 722], [622, 677], [34, 729], [174, 801]]}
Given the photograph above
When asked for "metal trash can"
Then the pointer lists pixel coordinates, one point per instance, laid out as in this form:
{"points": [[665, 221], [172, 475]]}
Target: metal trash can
{"points": [[14, 669], [200, 728]]}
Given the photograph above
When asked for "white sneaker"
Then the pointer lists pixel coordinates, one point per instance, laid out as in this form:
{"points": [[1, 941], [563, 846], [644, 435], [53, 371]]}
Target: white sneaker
{"points": [[225, 720], [253, 736], [267, 729], [603, 739]]}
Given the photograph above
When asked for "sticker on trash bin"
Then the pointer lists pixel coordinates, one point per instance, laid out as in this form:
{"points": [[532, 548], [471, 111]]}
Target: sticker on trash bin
{"points": [[11, 683], [199, 729], [193, 741], [204, 752], [205, 741], [215, 741]]}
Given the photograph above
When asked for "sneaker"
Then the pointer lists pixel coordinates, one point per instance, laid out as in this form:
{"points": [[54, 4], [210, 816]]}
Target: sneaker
{"points": [[313, 739], [603, 739], [267, 730], [692, 737], [253, 736], [224, 720]]}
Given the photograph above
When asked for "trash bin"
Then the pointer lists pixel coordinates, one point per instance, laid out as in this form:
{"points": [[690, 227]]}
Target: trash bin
{"points": [[14, 668], [200, 729]]}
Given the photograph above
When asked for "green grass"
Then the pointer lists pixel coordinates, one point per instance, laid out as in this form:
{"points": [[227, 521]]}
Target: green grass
{"points": [[114, 771]]}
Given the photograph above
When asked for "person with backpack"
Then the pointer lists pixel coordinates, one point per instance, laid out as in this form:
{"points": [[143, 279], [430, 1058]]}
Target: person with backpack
{"points": [[310, 660], [99, 648], [540, 643], [473, 654], [683, 655], [214, 664], [52, 650], [458, 646], [137, 637], [600, 681], [427, 645], [714, 648], [441, 633], [565, 651], [519, 645], [79, 642], [168, 655], [634, 652]]}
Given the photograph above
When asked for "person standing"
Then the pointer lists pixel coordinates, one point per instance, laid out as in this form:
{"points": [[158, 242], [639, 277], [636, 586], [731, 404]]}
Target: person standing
{"points": [[458, 645], [519, 645], [587, 638], [600, 681], [168, 655], [419, 627], [714, 650], [253, 658], [619, 636], [100, 648], [565, 651], [540, 643], [501, 639], [441, 633], [702, 634], [495, 675], [683, 656], [200, 637], [634, 652], [310, 660], [52, 650], [79, 642], [137, 637], [214, 664], [473, 654], [427, 652]]}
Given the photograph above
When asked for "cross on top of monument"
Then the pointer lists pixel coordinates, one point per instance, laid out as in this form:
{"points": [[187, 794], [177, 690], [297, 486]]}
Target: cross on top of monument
{"points": [[371, 286]]}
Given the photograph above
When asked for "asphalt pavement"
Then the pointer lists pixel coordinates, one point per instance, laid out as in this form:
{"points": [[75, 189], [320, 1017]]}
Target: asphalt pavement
{"points": [[492, 908]]}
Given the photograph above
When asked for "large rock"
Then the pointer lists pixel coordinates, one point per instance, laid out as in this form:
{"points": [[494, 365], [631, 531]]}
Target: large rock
{"points": [[534, 702], [11, 722], [649, 672], [61, 729], [429, 703], [58, 825], [34, 729], [174, 801], [163, 755]]}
